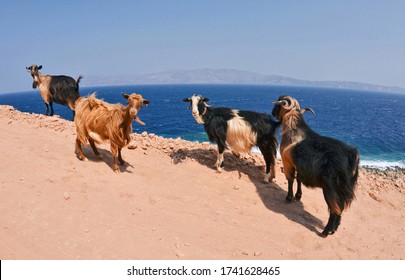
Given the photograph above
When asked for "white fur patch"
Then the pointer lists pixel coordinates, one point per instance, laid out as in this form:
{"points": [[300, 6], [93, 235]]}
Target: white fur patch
{"points": [[194, 107], [267, 177], [239, 136], [96, 137]]}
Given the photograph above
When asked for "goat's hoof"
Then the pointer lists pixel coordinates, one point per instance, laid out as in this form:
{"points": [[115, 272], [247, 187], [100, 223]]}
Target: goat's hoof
{"points": [[117, 170], [289, 198], [325, 233], [122, 162], [298, 197], [218, 167], [268, 178], [82, 158]]}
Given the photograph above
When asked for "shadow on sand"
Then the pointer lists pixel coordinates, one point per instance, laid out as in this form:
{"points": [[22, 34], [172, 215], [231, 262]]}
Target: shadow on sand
{"points": [[105, 157], [271, 194]]}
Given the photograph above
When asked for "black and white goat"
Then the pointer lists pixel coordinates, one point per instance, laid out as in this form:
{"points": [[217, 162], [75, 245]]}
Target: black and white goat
{"points": [[316, 161], [239, 130]]}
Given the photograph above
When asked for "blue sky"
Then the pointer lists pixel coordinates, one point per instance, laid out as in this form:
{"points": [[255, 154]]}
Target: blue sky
{"points": [[348, 40]]}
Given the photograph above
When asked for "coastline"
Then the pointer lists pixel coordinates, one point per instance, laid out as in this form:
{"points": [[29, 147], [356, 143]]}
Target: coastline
{"points": [[168, 203]]}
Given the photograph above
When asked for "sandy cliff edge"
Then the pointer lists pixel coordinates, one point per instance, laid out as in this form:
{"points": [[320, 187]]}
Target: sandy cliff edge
{"points": [[168, 203]]}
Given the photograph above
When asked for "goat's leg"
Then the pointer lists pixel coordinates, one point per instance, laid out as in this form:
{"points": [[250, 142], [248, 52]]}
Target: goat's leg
{"points": [[122, 162], [236, 154], [47, 109], [220, 158], [94, 148], [114, 152], [298, 194], [335, 208], [290, 192], [338, 215], [331, 226], [270, 162], [337, 221], [79, 150], [51, 105], [289, 172]]}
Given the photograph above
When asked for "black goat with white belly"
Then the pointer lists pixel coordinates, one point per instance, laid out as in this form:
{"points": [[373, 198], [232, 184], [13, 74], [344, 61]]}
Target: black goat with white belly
{"points": [[239, 130]]}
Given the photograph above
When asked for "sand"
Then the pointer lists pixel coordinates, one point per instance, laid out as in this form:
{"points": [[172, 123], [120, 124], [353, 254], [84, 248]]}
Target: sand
{"points": [[169, 203]]}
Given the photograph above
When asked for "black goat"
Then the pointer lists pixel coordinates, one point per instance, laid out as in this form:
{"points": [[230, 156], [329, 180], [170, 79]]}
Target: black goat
{"points": [[240, 130], [316, 161], [63, 90]]}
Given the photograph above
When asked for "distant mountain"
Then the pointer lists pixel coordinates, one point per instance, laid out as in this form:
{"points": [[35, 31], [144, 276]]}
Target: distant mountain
{"points": [[226, 76]]}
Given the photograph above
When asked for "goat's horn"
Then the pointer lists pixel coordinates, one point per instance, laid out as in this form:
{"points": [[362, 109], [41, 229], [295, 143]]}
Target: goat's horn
{"points": [[307, 109], [280, 102], [293, 103]]}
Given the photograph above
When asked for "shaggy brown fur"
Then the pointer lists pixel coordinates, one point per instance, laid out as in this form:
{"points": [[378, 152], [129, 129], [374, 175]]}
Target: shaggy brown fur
{"points": [[98, 121]]}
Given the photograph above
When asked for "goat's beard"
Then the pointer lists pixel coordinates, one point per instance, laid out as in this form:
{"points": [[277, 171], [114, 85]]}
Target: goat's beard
{"points": [[136, 118], [198, 119]]}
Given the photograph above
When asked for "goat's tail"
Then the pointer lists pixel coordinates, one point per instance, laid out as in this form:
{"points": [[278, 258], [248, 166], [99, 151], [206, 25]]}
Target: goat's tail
{"points": [[77, 83], [78, 80], [339, 191], [354, 159], [94, 102]]}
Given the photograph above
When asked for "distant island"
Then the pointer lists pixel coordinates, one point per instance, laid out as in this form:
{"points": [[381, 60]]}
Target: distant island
{"points": [[227, 76]]}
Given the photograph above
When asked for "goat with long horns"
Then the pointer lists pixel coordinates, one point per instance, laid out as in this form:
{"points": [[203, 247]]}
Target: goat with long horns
{"points": [[316, 161]]}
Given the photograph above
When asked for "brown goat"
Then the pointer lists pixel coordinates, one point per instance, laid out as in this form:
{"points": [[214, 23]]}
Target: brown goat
{"points": [[98, 121], [63, 90]]}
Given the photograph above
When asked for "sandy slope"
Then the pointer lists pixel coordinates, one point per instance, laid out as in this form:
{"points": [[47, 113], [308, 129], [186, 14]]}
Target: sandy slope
{"points": [[168, 203]]}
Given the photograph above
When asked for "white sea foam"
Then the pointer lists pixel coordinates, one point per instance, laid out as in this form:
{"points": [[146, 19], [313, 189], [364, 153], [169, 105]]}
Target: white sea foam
{"points": [[382, 164], [377, 164]]}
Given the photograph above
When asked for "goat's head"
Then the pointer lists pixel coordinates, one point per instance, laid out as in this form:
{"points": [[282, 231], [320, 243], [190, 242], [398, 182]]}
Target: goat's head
{"points": [[198, 106], [283, 105], [33, 69], [135, 102]]}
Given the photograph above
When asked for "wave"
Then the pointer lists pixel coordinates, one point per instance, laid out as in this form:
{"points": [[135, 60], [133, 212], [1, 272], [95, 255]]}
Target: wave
{"points": [[369, 163], [382, 164]]}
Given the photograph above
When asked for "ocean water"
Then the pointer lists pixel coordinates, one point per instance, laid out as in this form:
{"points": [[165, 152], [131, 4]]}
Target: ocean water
{"points": [[373, 122]]}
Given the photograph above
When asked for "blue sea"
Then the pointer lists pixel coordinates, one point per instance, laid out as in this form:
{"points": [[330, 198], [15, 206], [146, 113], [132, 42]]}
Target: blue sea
{"points": [[373, 122]]}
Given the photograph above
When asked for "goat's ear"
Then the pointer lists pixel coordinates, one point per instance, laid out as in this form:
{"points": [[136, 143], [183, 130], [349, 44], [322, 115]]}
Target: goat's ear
{"points": [[186, 100], [126, 96], [39, 67], [146, 102], [205, 99]]}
